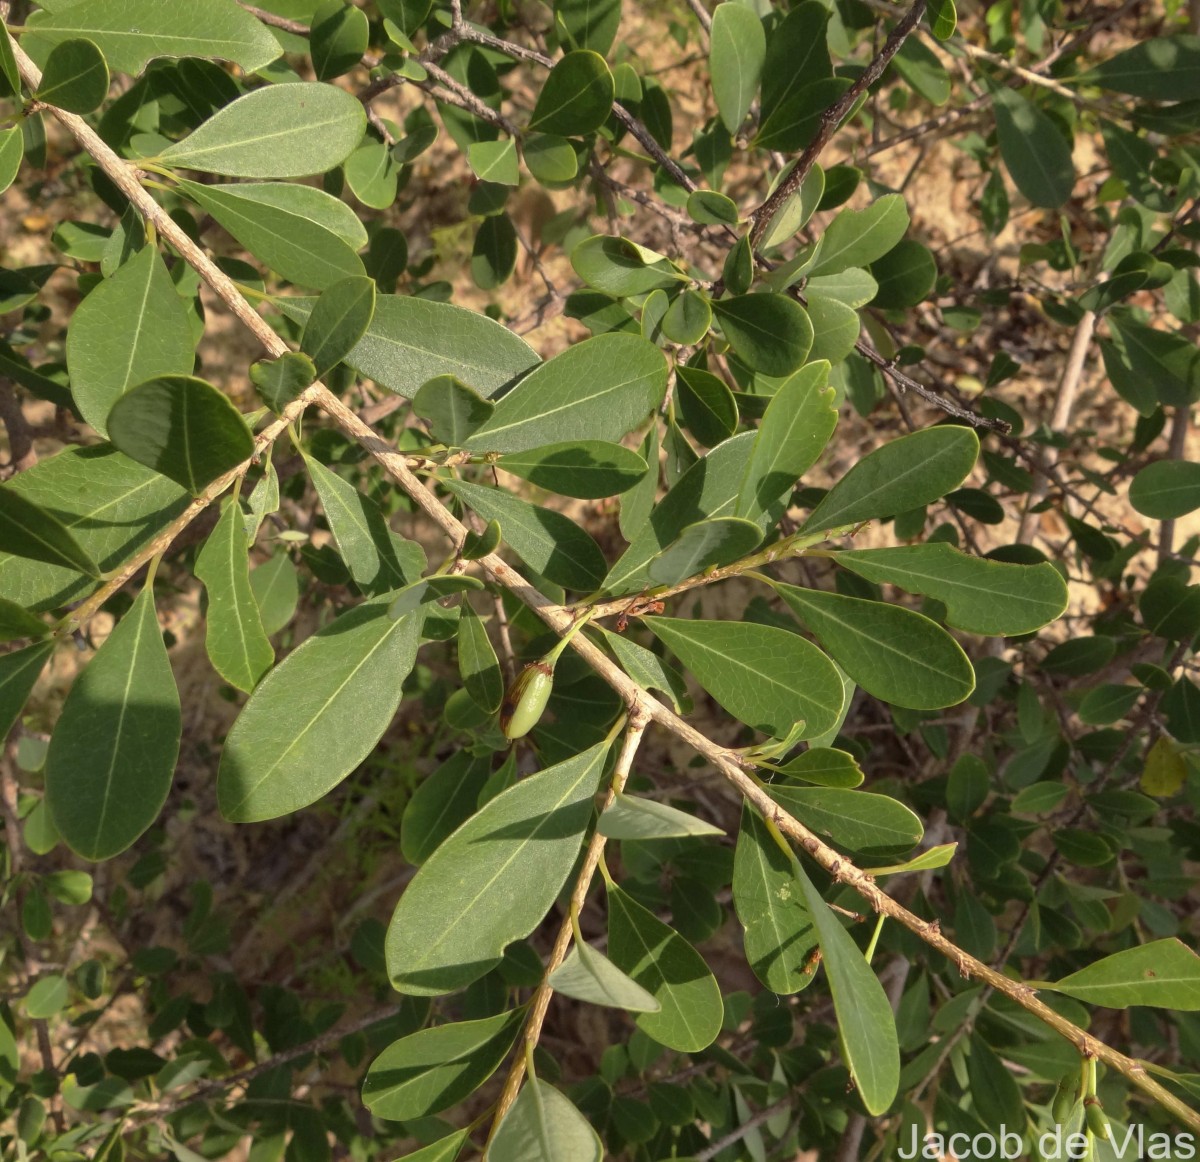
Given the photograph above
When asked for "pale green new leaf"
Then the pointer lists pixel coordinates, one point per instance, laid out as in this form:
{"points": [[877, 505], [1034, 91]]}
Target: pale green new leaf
{"points": [[1164, 974], [112, 754], [317, 714], [769, 901], [132, 327], [981, 596], [866, 1024], [543, 1126], [493, 880], [930, 860], [892, 652], [234, 637], [280, 131], [901, 475], [16, 623], [435, 1068], [632, 817], [664, 964], [824, 766], [131, 33], [766, 677], [599, 389], [588, 975], [737, 49]]}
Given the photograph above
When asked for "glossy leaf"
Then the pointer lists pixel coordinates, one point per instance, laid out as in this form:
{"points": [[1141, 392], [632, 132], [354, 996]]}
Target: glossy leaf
{"points": [[1166, 489], [770, 333], [704, 545], [182, 427], [769, 900], [859, 821], [19, 671], [113, 751], [317, 714], [493, 880], [901, 475], [906, 274], [588, 975], [30, 531], [131, 328], [797, 54], [866, 1025], [622, 378], [1164, 974], [767, 678], [670, 970], [588, 469], [857, 238], [280, 131], [981, 596], [892, 652], [412, 340], [737, 50], [791, 436], [338, 321], [545, 540], [75, 77], [234, 637], [632, 817], [494, 256], [477, 661], [1035, 153], [338, 37], [544, 1126], [296, 247], [135, 32], [436, 1068], [575, 97], [708, 406]]}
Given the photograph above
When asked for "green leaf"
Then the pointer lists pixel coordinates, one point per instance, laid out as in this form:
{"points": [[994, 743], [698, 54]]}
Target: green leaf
{"points": [[901, 475], [711, 208], [648, 670], [276, 590], [112, 754], [709, 409], [135, 32], [543, 1126], [793, 123], [182, 427], [279, 381], [688, 319], [442, 803], [632, 817], [495, 161], [588, 469], [445, 1149], [824, 766], [588, 23], [1166, 489], [47, 997], [477, 661], [588, 975], [546, 541], [317, 714], [987, 597], [75, 77], [303, 202], [12, 152], [1034, 151], [858, 237], [453, 410], [859, 821], [928, 860], [494, 256], [338, 37], [1162, 365], [234, 637], [338, 321], [294, 246], [853, 286], [923, 71], [866, 1024], [132, 327], [378, 559], [706, 544], [27, 530], [793, 432], [9, 73], [769, 332], [996, 1098], [943, 18], [436, 1068], [797, 54], [906, 274], [1164, 974], [493, 880], [1163, 68], [19, 671], [576, 97], [373, 175], [550, 159], [111, 505], [280, 131], [622, 268], [16, 623], [769, 901], [599, 389], [428, 589], [895, 654], [411, 340], [737, 50], [765, 677], [670, 970]]}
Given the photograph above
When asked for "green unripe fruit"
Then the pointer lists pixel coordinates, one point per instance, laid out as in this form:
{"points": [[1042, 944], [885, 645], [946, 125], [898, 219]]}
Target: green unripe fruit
{"points": [[525, 701], [1064, 1099], [1097, 1119]]}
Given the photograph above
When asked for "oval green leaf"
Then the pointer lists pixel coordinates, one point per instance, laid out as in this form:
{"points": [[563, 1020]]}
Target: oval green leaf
{"points": [[703, 545], [338, 321], [1166, 489], [588, 975], [576, 97], [858, 821], [587, 469], [771, 333], [736, 52], [544, 1126], [75, 77], [27, 530], [1034, 151]]}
